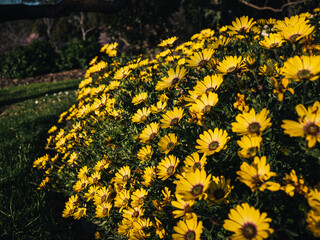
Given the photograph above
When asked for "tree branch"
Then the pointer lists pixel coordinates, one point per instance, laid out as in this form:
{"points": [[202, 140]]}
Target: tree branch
{"points": [[273, 9]]}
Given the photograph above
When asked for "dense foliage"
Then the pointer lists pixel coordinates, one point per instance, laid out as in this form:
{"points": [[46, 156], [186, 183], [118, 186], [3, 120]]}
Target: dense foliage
{"points": [[216, 137], [40, 58]]}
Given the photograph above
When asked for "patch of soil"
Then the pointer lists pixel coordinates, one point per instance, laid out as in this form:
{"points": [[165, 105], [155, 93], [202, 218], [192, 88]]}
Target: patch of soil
{"points": [[50, 77]]}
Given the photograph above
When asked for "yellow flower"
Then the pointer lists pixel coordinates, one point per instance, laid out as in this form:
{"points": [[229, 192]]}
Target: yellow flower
{"points": [[209, 84], [307, 127], [141, 115], [122, 199], [313, 221], [247, 223], [101, 196], [94, 178], [138, 197], [204, 104], [219, 190], [200, 59], [220, 43], [148, 176], [240, 103], [250, 145], [294, 184], [159, 108], [91, 192], [167, 143], [293, 33], [133, 214], [122, 73], [145, 153], [167, 167], [314, 199], [194, 162], [168, 42], [257, 174], [281, 87], [188, 229], [167, 196], [173, 79], [193, 185], [80, 185], [171, 117], [185, 208], [80, 212], [241, 25], [149, 133], [251, 123], [212, 141], [302, 68], [123, 175], [141, 97], [274, 40], [230, 64], [103, 209]]}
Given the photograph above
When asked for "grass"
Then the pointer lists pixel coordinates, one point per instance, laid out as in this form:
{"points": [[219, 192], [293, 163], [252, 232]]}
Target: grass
{"points": [[25, 212]]}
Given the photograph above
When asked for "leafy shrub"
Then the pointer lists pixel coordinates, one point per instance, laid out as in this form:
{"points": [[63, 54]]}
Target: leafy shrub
{"points": [[215, 137], [35, 59]]}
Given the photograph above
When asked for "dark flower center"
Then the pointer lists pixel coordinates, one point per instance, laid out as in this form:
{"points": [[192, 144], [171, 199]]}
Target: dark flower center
{"points": [[147, 156], [174, 121], [190, 235], [187, 209], [252, 151], [202, 63], [218, 193], [141, 200], [249, 230], [213, 145], [170, 170], [105, 211], [273, 45], [135, 214], [125, 178], [83, 185], [197, 165], [152, 136], [313, 129], [103, 198], [197, 190], [231, 69], [170, 146], [175, 81], [210, 89], [304, 74], [206, 109], [254, 127], [242, 30], [294, 37]]}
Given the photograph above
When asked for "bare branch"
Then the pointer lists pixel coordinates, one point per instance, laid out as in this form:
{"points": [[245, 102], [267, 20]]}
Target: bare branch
{"points": [[273, 9]]}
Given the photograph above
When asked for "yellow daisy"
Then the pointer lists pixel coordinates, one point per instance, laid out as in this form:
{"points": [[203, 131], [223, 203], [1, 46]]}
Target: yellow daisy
{"points": [[251, 123], [149, 176], [212, 141], [294, 184], [230, 64], [141, 115], [149, 133], [123, 175], [168, 42], [167, 143], [141, 97], [281, 88], [133, 214], [248, 223], [257, 174], [241, 25], [219, 190], [314, 199], [80, 212], [302, 68], [91, 192], [167, 167], [200, 59], [122, 199], [194, 162], [138, 197], [103, 209], [274, 40], [307, 127], [240, 103], [161, 106], [204, 104], [145, 153], [293, 33], [209, 84], [188, 229], [250, 145], [173, 79], [220, 43], [171, 117], [101, 196], [185, 208], [193, 185], [313, 221]]}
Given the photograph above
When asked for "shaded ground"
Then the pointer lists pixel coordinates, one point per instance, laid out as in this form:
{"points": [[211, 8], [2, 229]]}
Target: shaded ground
{"points": [[51, 77]]}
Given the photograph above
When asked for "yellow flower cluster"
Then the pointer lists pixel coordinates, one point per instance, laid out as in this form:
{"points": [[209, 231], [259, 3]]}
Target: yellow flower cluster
{"points": [[153, 146]]}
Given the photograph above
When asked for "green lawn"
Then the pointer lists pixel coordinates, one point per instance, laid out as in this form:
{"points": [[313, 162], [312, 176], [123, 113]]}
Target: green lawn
{"points": [[27, 112]]}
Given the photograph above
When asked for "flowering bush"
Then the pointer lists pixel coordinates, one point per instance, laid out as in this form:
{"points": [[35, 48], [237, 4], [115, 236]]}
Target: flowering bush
{"points": [[216, 137]]}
